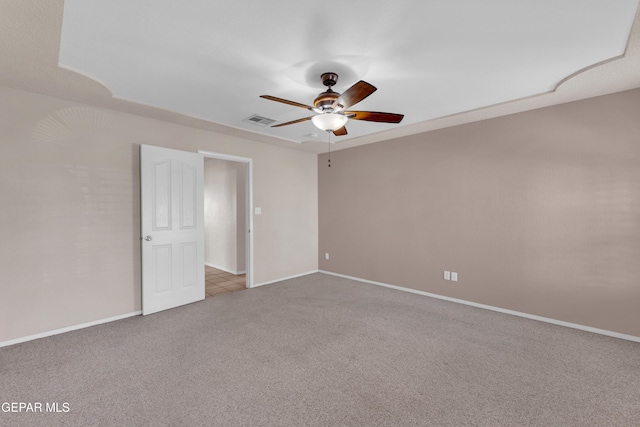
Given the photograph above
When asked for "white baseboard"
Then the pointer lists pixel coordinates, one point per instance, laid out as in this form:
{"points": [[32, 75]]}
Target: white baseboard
{"points": [[225, 269], [68, 329], [255, 285], [123, 316], [492, 308], [386, 285]]}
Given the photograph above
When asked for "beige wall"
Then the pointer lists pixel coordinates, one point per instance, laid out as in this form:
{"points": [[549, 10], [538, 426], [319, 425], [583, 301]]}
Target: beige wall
{"points": [[70, 210], [241, 219], [224, 219], [538, 212]]}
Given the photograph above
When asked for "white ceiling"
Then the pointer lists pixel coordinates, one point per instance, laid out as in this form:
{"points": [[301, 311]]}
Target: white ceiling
{"points": [[204, 63]]}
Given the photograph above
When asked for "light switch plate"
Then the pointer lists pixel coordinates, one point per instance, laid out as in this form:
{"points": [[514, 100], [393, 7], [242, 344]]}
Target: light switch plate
{"points": [[258, 211], [447, 275], [454, 276]]}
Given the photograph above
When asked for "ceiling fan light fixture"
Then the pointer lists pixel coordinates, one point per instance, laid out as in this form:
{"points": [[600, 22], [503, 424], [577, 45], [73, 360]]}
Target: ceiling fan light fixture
{"points": [[329, 121]]}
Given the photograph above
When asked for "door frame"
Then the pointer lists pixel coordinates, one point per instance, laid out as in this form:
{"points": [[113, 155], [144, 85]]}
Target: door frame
{"points": [[248, 207]]}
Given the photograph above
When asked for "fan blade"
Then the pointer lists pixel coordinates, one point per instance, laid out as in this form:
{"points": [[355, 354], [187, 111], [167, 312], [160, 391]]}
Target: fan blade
{"points": [[340, 132], [286, 101], [353, 95], [292, 122], [374, 116]]}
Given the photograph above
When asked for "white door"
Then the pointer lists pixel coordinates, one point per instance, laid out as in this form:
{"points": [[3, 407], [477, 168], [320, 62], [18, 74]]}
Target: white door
{"points": [[172, 228]]}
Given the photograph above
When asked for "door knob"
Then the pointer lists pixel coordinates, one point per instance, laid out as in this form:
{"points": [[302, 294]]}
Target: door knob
{"points": [[148, 238]]}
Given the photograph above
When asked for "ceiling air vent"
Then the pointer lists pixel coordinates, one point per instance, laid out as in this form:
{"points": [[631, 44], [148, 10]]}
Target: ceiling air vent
{"points": [[259, 120]]}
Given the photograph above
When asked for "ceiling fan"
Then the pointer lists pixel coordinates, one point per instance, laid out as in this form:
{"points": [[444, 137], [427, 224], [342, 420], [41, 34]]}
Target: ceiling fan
{"points": [[332, 107]]}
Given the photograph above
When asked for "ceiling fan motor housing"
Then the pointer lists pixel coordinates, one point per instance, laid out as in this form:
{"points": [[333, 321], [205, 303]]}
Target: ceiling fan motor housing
{"points": [[324, 101]]}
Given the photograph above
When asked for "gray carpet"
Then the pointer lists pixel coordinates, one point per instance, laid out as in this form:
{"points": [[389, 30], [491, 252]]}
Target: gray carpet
{"points": [[324, 351]]}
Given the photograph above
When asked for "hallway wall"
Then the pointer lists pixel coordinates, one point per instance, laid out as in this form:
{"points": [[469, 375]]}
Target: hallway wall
{"points": [[224, 220]]}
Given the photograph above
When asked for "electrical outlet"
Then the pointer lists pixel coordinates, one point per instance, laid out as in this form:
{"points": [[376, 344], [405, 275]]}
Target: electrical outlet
{"points": [[447, 275], [326, 255], [454, 276]]}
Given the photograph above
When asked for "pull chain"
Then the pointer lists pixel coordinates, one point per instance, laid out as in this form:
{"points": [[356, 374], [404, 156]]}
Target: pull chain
{"points": [[329, 132]]}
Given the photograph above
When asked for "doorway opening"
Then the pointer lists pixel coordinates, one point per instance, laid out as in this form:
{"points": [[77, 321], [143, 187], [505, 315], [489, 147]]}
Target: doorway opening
{"points": [[228, 201]]}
